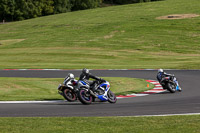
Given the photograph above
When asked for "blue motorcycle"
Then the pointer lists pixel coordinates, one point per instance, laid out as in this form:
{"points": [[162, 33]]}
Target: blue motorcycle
{"points": [[170, 83], [103, 92]]}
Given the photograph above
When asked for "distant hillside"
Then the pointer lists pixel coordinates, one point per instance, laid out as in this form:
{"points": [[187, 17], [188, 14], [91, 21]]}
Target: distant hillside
{"points": [[144, 35], [14, 10]]}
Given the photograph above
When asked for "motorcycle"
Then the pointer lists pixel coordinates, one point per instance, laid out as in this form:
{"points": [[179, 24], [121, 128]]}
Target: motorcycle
{"points": [[169, 83], [103, 92], [68, 89]]}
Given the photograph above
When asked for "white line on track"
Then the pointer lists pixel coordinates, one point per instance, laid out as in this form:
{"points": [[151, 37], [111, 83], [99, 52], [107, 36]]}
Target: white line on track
{"points": [[53, 101], [163, 115]]}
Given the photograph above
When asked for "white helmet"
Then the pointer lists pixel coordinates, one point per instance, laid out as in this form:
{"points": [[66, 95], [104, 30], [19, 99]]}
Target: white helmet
{"points": [[160, 70], [70, 75]]}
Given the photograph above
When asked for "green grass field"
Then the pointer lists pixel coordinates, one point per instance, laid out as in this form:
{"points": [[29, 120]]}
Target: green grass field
{"points": [[15, 89], [169, 124], [117, 37]]}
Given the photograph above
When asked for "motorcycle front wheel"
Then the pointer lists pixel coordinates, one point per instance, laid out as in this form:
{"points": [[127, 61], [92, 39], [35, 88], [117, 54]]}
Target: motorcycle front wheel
{"points": [[111, 97], [69, 95], [84, 96], [171, 87]]}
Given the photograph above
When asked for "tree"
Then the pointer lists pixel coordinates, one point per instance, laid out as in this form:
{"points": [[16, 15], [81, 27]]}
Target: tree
{"points": [[46, 6], [7, 9], [61, 6], [126, 1], [84, 4]]}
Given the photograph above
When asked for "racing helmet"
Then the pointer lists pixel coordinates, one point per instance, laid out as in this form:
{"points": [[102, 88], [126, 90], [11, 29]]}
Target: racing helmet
{"points": [[85, 71], [70, 75], [160, 70]]}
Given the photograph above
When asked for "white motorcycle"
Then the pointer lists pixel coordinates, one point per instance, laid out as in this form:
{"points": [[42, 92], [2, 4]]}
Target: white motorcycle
{"points": [[68, 88]]}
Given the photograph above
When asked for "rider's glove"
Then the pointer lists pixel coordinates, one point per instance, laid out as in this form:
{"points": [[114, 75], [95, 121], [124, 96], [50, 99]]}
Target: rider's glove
{"points": [[102, 80]]}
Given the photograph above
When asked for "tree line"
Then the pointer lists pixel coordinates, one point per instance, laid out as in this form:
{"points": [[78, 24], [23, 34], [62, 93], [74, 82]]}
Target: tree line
{"points": [[13, 10], [127, 1]]}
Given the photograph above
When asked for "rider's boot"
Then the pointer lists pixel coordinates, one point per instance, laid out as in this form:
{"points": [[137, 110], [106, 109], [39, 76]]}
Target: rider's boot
{"points": [[179, 89]]}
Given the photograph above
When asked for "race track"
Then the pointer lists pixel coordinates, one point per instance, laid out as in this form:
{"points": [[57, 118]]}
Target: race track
{"points": [[187, 101]]}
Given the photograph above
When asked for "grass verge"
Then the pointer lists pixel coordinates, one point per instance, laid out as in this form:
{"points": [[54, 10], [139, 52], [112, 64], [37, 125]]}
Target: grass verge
{"points": [[117, 37], [167, 124], [46, 88]]}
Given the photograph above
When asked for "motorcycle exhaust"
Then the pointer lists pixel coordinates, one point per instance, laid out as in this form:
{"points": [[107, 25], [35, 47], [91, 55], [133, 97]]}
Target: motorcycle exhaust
{"points": [[92, 93]]}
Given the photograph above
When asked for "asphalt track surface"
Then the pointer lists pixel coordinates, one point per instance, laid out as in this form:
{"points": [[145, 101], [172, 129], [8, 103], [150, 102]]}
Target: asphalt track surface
{"points": [[187, 101]]}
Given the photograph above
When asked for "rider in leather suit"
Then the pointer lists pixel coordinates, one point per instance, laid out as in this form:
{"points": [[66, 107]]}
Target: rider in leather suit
{"points": [[161, 74], [85, 76]]}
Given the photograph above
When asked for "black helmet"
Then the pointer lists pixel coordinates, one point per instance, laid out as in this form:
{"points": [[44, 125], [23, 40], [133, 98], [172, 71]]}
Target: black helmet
{"points": [[85, 71]]}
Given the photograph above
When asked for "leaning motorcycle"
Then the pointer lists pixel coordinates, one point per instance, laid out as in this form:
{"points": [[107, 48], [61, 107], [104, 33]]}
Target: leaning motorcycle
{"points": [[103, 92], [169, 83], [68, 89]]}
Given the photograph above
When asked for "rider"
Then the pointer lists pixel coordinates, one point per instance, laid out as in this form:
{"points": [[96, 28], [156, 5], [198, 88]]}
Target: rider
{"points": [[85, 76], [69, 77], [161, 74]]}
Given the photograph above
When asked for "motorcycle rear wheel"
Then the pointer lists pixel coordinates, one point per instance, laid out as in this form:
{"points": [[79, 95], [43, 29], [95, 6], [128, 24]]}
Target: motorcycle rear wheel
{"points": [[69, 95], [84, 97], [111, 97]]}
